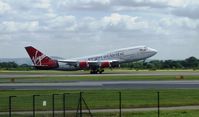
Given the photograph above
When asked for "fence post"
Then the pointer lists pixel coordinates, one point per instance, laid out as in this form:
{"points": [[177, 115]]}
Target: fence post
{"points": [[64, 104], [64, 107], [33, 105], [10, 105], [53, 104], [80, 101], [120, 103], [158, 97]]}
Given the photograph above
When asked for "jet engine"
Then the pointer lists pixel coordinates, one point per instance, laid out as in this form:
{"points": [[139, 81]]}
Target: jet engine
{"points": [[83, 65], [105, 64]]}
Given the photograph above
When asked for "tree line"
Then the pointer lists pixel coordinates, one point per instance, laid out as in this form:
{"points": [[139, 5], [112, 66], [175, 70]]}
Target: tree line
{"points": [[189, 63], [14, 66]]}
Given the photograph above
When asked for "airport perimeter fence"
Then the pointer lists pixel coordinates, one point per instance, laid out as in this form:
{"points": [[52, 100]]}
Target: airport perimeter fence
{"points": [[89, 104]]}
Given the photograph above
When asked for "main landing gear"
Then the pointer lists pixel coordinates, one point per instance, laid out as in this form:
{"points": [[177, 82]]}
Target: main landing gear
{"points": [[97, 71]]}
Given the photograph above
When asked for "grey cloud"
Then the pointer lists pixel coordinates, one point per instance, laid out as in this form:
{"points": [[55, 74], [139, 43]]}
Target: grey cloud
{"points": [[94, 26], [109, 5], [189, 11], [141, 3], [4, 7], [79, 5]]}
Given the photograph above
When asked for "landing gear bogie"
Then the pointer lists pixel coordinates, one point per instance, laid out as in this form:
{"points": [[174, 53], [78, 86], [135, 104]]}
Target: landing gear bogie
{"points": [[96, 71]]}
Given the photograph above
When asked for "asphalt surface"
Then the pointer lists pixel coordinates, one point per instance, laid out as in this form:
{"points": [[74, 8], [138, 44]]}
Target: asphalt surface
{"points": [[134, 73], [82, 85], [108, 110]]}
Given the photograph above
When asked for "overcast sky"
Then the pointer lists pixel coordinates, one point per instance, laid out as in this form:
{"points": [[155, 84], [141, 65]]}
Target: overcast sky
{"points": [[74, 28]]}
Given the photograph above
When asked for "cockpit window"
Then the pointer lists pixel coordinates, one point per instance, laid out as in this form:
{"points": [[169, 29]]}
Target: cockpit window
{"points": [[143, 49]]}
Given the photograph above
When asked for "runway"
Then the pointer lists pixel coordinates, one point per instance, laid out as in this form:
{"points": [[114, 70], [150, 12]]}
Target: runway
{"points": [[82, 85], [134, 73], [91, 84]]}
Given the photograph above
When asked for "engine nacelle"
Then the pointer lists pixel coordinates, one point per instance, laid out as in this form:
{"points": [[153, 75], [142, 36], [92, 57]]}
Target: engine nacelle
{"points": [[105, 64], [83, 65]]}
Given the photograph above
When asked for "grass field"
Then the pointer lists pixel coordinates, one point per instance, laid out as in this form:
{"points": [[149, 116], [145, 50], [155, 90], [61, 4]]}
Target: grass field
{"points": [[100, 99], [105, 99]]}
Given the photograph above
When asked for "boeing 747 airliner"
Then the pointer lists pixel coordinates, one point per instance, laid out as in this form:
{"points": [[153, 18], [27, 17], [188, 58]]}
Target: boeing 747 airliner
{"points": [[95, 64]]}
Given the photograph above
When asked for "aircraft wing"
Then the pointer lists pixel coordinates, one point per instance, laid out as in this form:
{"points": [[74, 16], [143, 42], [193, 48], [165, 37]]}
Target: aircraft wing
{"points": [[92, 62]]}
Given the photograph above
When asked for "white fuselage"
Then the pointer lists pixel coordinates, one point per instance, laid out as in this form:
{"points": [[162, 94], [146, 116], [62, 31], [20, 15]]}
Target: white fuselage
{"points": [[124, 55], [95, 64]]}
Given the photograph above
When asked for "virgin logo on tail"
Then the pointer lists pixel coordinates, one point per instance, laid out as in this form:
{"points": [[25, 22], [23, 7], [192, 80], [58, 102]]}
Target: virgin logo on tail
{"points": [[37, 60]]}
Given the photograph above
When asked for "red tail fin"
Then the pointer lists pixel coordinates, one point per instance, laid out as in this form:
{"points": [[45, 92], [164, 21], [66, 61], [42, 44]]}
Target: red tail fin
{"points": [[40, 60]]}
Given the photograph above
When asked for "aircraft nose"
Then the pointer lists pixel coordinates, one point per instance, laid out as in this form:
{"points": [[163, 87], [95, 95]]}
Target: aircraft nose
{"points": [[154, 51]]}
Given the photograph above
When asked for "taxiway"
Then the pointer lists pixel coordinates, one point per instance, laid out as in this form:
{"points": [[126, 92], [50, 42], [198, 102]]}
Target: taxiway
{"points": [[83, 85], [139, 73]]}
